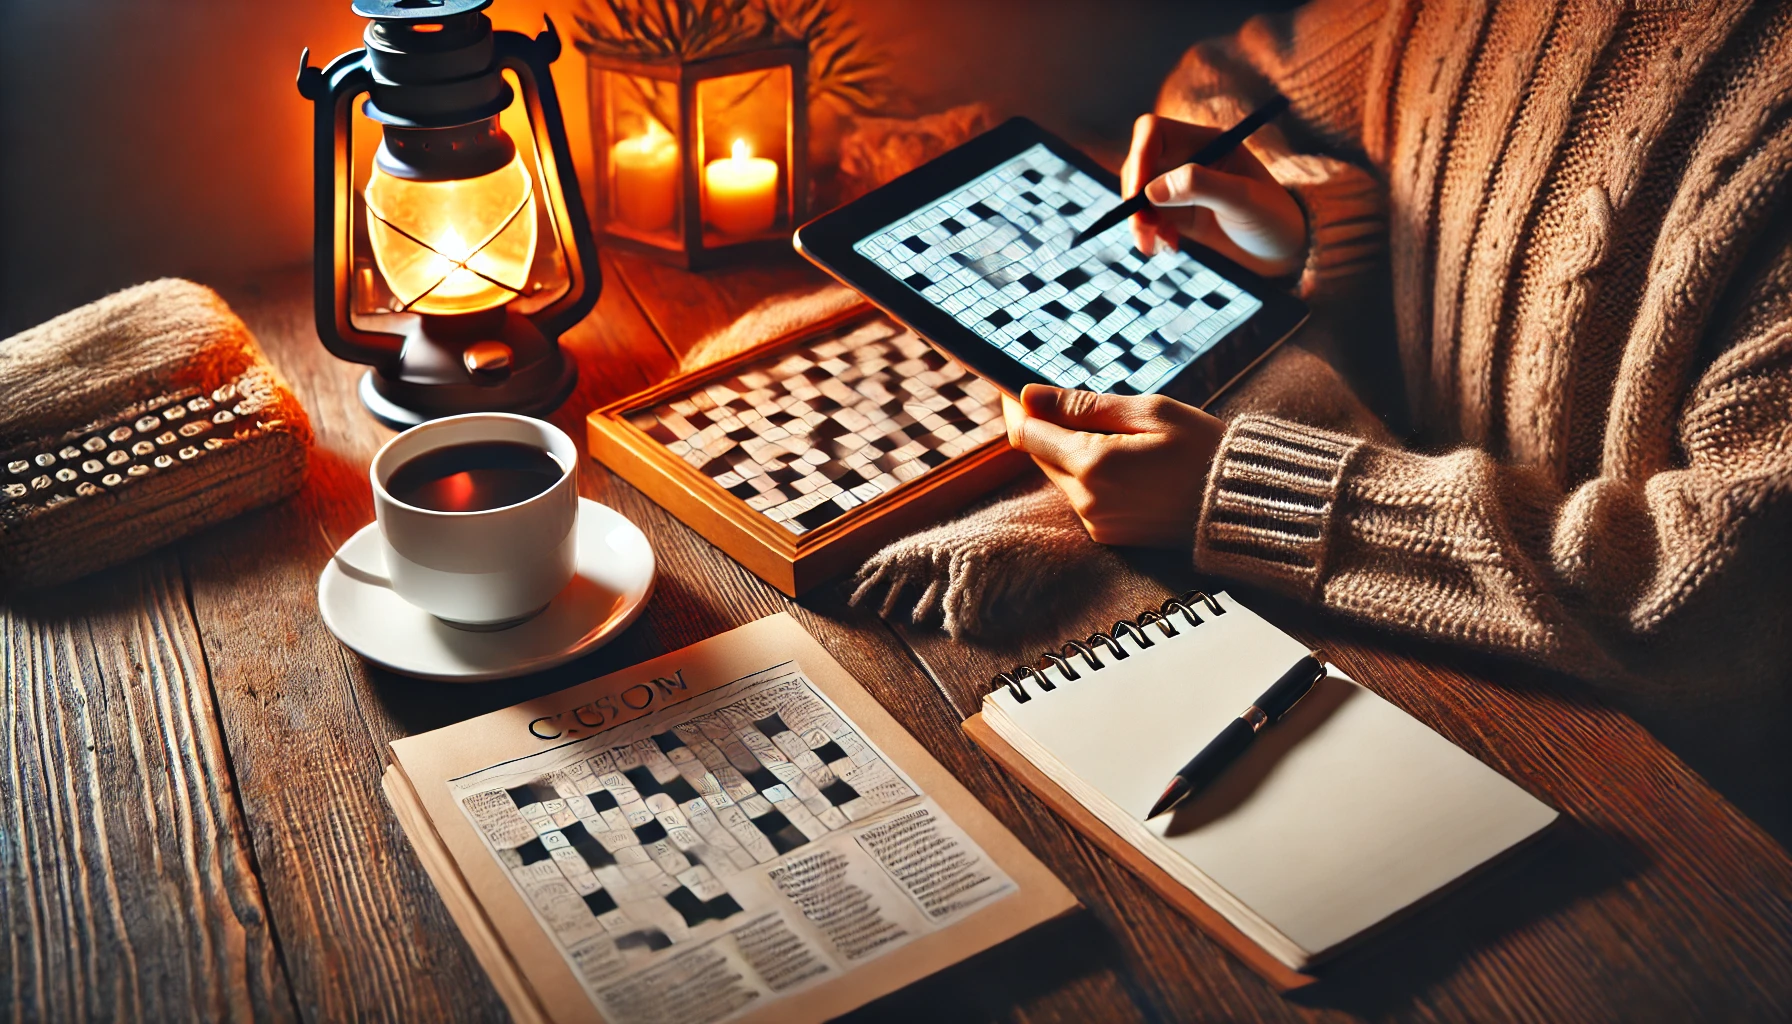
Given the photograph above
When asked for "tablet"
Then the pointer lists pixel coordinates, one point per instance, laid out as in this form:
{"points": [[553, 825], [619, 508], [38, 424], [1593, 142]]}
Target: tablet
{"points": [[972, 252]]}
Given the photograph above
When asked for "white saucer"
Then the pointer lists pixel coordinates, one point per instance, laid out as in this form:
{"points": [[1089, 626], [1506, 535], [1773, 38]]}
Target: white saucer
{"points": [[613, 581]]}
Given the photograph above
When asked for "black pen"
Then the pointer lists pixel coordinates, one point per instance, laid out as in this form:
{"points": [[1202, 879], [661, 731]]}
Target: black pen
{"points": [[1223, 143], [1214, 758]]}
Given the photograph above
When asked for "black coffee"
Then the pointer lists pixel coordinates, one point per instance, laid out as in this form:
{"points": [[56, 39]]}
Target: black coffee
{"points": [[474, 477]]}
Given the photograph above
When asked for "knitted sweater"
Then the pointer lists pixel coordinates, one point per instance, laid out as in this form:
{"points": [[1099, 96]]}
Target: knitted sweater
{"points": [[1581, 208]]}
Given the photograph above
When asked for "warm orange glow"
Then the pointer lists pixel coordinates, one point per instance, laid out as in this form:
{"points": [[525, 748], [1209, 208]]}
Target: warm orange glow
{"points": [[645, 178], [453, 246], [741, 192], [459, 490]]}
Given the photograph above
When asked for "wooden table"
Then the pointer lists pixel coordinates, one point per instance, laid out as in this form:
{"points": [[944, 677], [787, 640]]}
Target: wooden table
{"points": [[194, 828]]}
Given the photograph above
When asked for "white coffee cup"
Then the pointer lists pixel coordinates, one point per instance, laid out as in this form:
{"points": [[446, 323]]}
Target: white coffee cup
{"points": [[488, 569]]}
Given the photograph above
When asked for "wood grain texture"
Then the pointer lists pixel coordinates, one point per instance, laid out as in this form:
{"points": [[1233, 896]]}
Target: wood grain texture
{"points": [[1656, 901], [304, 730], [309, 723], [129, 891]]}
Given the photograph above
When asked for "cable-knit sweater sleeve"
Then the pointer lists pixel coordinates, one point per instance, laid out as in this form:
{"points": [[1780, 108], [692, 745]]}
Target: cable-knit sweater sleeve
{"points": [[1317, 56], [1464, 548]]}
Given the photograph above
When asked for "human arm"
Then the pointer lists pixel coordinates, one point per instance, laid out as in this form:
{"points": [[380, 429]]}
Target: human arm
{"points": [[1647, 558], [1096, 448]]}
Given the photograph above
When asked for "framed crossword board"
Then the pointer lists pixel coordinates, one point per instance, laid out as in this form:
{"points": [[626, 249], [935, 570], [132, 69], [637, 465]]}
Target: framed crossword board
{"points": [[972, 251], [801, 457]]}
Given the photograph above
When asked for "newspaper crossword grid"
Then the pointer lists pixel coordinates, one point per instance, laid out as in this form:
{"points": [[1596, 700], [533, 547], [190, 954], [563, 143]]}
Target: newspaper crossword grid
{"points": [[668, 817], [804, 436], [1101, 316]]}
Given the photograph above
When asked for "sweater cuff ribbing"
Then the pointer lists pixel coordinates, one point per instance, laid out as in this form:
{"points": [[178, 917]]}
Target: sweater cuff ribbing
{"points": [[1271, 497], [1346, 219]]}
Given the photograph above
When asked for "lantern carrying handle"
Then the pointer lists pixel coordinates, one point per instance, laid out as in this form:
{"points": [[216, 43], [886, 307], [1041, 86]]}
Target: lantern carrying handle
{"points": [[332, 91], [529, 59]]}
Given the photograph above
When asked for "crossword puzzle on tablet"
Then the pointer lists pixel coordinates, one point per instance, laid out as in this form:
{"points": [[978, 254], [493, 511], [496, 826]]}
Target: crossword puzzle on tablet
{"points": [[1101, 316], [807, 434]]}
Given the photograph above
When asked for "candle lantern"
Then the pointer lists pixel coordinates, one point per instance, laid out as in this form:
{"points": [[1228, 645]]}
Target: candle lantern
{"points": [[700, 160], [452, 247]]}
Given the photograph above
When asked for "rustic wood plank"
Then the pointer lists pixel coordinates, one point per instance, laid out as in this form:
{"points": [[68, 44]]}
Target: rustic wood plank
{"points": [[1665, 897], [1655, 899], [129, 888], [309, 723], [363, 937], [1174, 968]]}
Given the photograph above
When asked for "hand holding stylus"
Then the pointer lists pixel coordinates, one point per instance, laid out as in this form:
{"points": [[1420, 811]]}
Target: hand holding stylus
{"points": [[1234, 207]]}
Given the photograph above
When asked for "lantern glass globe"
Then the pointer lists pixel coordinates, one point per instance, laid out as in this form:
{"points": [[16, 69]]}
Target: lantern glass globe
{"points": [[448, 247]]}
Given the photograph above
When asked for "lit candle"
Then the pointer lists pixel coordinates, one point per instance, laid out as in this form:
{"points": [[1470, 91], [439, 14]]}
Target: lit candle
{"points": [[741, 192], [645, 176]]}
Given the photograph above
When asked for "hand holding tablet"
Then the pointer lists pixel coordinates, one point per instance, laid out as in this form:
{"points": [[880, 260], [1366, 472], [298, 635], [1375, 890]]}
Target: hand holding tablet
{"points": [[1132, 468]]}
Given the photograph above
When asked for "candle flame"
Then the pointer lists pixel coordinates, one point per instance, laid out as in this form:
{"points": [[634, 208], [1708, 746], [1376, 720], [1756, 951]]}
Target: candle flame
{"points": [[740, 149], [653, 138]]}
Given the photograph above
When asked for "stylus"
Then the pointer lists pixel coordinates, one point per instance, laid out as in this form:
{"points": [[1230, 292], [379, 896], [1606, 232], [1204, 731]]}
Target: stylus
{"points": [[1223, 143]]}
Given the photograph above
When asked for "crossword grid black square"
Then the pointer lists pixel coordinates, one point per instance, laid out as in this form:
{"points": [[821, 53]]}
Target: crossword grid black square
{"points": [[669, 817], [805, 435], [1101, 316]]}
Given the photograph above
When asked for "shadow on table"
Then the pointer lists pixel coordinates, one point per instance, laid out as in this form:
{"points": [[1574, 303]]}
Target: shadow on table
{"points": [[419, 705], [1395, 967], [991, 984], [1734, 739]]}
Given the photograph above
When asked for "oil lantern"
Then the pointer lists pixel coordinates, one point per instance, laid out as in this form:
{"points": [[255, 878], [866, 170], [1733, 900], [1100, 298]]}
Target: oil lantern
{"points": [[451, 243]]}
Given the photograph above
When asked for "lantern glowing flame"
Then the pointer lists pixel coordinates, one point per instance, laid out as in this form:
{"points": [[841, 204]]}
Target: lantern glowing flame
{"points": [[449, 247]]}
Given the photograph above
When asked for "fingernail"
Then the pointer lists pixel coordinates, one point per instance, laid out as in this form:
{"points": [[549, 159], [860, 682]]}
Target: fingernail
{"points": [[1033, 396]]}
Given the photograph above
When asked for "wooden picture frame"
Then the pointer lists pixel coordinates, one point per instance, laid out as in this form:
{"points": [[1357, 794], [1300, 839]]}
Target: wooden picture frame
{"points": [[793, 563]]}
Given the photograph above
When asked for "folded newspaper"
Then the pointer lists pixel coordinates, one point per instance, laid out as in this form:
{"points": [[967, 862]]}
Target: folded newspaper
{"points": [[733, 831]]}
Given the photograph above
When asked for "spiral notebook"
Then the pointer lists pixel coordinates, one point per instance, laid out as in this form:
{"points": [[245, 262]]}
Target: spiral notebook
{"points": [[1340, 816]]}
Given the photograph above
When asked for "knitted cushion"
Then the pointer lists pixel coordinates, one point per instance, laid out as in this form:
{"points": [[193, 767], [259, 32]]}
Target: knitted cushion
{"points": [[134, 421]]}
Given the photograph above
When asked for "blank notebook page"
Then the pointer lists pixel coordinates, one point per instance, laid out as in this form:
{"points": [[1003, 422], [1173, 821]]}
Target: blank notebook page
{"points": [[1341, 814]]}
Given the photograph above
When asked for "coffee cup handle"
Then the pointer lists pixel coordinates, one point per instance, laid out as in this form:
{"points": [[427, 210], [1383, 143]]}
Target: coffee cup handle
{"points": [[360, 574]]}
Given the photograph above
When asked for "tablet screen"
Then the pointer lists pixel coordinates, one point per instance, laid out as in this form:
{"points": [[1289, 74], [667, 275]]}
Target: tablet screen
{"points": [[994, 256]]}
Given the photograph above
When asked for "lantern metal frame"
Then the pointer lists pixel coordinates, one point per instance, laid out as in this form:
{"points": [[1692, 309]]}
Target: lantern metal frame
{"points": [[444, 364], [693, 251]]}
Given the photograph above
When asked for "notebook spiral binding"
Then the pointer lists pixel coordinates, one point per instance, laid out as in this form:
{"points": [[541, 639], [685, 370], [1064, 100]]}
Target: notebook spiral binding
{"points": [[1014, 678]]}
